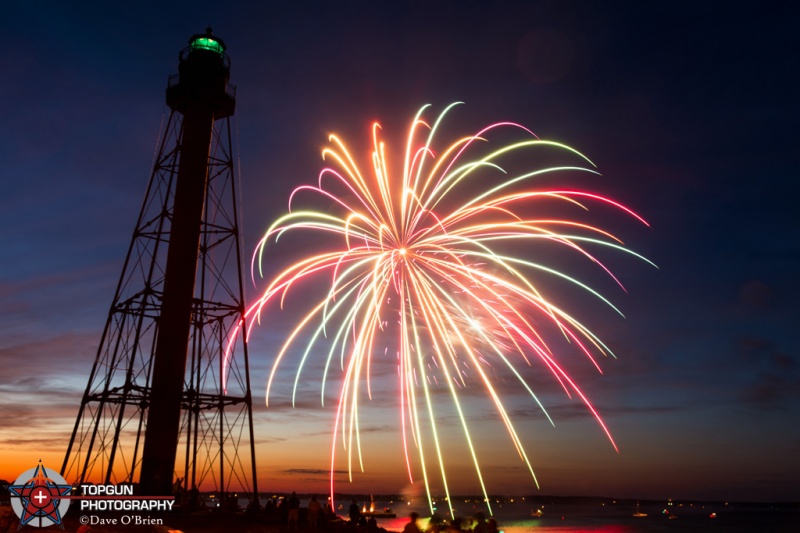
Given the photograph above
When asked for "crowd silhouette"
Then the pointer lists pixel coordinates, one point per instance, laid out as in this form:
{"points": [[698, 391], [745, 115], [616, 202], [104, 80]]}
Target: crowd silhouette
{"points": [[287, 512]]}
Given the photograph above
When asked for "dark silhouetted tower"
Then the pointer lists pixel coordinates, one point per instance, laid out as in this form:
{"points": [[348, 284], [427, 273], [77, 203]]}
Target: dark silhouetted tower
{"points": [[179, 298]]}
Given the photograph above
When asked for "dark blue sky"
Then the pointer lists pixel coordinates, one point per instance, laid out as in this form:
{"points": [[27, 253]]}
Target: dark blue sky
{"points": [[688, 109]]}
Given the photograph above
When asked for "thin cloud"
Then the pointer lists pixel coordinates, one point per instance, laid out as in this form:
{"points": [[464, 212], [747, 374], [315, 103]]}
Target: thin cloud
{"points": [[311, 471]]}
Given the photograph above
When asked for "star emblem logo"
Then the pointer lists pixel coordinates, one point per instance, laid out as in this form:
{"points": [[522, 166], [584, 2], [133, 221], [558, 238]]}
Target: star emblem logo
{"points": [[38, 497]]}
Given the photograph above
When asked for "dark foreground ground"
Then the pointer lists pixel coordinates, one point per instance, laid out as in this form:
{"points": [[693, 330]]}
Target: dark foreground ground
{"points": [[155, 523], [780, 521], [159, 523]]}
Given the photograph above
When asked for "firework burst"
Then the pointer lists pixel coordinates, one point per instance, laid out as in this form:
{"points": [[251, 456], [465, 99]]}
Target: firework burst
{"points": [[422, 265]]}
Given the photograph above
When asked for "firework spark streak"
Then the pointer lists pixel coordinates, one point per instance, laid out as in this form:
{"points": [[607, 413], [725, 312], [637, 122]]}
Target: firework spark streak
{"points": [[422, 266]]}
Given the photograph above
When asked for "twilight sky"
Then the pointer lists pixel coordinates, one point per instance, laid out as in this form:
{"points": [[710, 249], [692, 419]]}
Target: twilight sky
{"points": [[689, 111]]}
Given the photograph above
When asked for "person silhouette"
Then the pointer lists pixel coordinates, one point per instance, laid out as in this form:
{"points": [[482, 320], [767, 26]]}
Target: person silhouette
{"points": [[314, 509], [411, 526], [294, 511], [480, 526], [355, 512]]}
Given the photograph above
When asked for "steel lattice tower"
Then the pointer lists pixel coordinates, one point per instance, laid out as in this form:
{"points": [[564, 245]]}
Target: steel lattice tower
{"points": [[163, 401]]}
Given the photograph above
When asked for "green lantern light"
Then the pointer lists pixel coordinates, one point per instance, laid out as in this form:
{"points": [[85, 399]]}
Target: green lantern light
{"points": [[207, 43]]}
